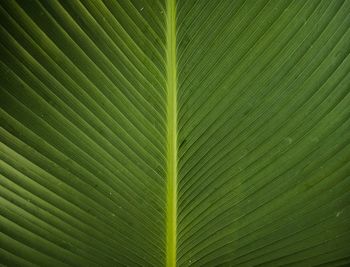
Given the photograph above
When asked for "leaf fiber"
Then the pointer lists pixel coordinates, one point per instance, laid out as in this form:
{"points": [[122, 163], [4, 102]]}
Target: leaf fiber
{"points": [[174, 133]]}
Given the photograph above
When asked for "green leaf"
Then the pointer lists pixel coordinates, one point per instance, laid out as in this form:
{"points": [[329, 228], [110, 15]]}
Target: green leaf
{"points": [[163, 133]]}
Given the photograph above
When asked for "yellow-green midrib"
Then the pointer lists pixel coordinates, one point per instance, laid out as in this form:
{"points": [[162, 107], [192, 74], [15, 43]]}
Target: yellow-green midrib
{"points": [[172, 134]]}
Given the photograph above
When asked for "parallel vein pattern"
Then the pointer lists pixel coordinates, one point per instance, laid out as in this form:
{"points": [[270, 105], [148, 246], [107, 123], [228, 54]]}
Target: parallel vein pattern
{"points": [[83, 133], [195, 133], [264, 133]]}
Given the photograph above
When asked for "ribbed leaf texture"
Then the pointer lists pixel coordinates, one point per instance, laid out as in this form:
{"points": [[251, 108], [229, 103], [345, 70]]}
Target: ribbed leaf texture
{"points": [[262, 133]]}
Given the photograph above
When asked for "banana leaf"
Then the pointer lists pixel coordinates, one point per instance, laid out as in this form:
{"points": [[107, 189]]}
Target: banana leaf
{"points": [[174, 133]]}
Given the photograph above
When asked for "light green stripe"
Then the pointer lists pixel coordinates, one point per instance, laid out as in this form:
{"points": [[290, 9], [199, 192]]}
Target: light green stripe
{"points": [[172, 134]]}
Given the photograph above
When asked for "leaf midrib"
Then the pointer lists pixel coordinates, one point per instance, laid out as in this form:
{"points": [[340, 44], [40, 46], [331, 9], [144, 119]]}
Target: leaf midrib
{"points": [[172, 135]]}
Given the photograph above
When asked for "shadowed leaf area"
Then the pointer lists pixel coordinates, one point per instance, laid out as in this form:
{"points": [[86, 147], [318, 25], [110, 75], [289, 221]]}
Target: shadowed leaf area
{"points": [[174, 133]]}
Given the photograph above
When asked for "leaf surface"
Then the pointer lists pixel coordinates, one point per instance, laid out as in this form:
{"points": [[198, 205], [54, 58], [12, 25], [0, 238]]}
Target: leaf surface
{"points": [[177, 133]]}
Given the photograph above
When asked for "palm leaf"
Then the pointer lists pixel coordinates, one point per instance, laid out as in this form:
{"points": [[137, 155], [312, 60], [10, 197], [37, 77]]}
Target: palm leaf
{"points": [[188, 133]]}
